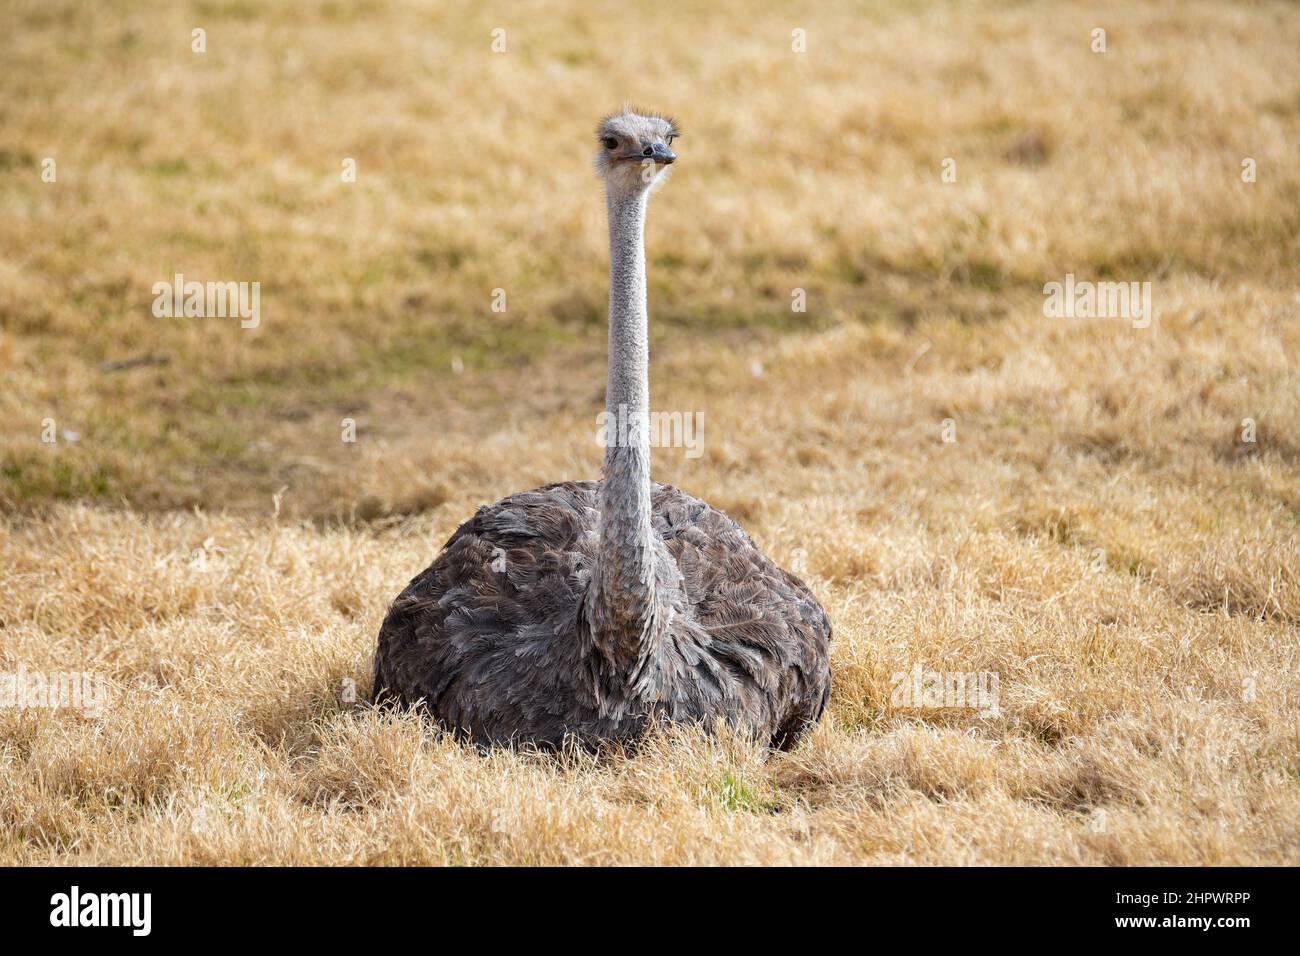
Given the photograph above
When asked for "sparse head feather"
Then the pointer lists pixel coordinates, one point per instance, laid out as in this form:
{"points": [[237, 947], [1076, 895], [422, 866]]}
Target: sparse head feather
{"points": [[630, 121]]}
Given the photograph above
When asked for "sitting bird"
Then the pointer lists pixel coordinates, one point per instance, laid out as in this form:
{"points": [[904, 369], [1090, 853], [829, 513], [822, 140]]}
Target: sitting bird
{"points": [[585, 609]]}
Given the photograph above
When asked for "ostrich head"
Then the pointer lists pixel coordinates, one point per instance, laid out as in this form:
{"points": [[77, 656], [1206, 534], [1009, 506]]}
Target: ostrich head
{"points": [[635, 150]]}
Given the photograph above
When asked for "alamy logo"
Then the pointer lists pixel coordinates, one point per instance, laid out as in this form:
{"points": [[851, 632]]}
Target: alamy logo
{"points": [[1098, 300], [941, 690], [214, 300], [103, 909], [72, 690], [664, 430]]}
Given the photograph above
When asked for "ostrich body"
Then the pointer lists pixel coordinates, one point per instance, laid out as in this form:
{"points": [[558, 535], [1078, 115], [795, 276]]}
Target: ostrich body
{"points": [[585, 608]]}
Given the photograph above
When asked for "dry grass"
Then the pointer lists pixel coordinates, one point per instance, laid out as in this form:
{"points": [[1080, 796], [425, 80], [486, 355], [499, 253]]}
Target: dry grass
{"points": [[1098, 534]]}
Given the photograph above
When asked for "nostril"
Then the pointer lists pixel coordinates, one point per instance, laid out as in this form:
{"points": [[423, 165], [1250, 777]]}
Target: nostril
{"points": [[648, 151]]}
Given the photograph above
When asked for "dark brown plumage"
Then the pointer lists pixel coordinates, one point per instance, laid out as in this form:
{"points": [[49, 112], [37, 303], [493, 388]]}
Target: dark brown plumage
{"points": [[507, 655]]}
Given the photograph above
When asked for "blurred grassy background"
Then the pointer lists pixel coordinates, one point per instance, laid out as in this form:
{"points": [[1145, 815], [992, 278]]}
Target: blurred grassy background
{"points": [[818, 170], [1098, 534]]}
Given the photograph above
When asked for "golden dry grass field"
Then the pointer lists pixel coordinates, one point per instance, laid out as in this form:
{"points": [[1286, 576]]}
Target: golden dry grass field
{"points": [[1072, 504]]}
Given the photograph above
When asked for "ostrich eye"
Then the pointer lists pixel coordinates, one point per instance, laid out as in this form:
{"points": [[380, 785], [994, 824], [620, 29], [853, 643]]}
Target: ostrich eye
{"points": [[668, 140], [610, 142]]}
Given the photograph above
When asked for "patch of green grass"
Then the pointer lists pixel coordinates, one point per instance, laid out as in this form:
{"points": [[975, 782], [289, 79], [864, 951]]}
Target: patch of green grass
{"points": [[177, 166], [36, 478], [737, 796]]}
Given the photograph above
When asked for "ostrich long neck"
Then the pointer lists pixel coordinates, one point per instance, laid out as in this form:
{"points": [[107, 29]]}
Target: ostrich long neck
{"points": [[625, 571]]}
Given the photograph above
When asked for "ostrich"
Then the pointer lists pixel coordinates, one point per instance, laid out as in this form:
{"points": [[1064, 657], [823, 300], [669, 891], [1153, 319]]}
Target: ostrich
{"points": [[586, 608]]}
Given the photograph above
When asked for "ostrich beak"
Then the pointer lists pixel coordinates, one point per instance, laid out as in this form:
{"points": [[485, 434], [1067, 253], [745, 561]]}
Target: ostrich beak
{"points": [[661, 154]]}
